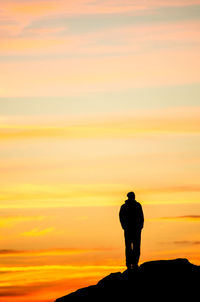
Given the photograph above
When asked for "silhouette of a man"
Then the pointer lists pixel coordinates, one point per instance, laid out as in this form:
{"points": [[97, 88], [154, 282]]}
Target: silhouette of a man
{"points": [[132, 220]]}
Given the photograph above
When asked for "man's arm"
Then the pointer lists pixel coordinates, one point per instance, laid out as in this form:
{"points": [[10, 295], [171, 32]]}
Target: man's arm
{"points": [[142, 217], [121, 217]]}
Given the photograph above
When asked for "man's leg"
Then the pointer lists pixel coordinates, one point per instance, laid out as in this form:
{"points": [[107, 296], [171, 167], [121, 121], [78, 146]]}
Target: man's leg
{"points": [[128, 250], [136, 247]]}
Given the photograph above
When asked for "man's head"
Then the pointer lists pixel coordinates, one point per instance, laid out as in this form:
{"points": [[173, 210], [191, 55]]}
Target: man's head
{"points": [[131, 195]]}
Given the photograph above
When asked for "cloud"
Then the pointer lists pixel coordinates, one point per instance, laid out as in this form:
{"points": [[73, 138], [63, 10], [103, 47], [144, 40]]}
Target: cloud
{"points": [[40, 282], [37, 232], [186, 242], [192, 218], [12, 220], [78, 25], [48, 252], [33, 195], [9, 252], [90, 16], [57, 267], [172, 189], [186, 120], [79, 7], [30, 196], [38, 196], [78, 75], [57, 41]]}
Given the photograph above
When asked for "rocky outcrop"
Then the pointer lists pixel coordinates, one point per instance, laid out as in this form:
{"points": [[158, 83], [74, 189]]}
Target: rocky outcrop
{"points": [[161, 280]]}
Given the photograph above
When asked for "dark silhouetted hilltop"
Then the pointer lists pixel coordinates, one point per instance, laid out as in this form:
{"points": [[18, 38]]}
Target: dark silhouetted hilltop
{"points": [[161, 280]]}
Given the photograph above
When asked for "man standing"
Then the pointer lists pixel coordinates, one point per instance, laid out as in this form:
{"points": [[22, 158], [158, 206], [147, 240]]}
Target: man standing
{"points": [[132, 220]]}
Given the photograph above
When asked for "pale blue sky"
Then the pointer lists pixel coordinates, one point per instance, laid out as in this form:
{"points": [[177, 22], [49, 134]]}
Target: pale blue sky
{"points": [[119, 101]]}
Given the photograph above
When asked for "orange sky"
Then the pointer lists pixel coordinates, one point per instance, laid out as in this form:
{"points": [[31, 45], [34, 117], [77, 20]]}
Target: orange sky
{"points": [[97, 98]]}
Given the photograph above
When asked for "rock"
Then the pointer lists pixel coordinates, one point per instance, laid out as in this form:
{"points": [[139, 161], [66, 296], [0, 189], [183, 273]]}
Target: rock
{"points": [[161, 280]]}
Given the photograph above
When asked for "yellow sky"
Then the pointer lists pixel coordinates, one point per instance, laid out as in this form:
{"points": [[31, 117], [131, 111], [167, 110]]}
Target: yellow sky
{"points": [[97, 99]]}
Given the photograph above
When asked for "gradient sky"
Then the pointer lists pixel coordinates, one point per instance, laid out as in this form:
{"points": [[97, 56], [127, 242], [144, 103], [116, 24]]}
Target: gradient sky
{"points": [[97, 98]]}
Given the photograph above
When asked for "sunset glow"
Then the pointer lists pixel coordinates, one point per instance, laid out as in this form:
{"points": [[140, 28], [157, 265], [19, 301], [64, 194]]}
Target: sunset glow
{"points": [[97, 98]]}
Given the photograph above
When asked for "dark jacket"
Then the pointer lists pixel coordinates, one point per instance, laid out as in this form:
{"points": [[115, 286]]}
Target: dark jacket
{"points": [[131, 215]]}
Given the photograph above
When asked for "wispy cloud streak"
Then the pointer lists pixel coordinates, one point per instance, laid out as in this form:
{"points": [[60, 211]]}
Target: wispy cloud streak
{"points": [[10, 221], [185, 242], [117, 127], [47, 252], [192, 218]]}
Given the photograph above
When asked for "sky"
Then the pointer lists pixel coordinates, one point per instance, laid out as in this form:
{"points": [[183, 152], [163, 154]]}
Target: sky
{"points": [[97, 98]]}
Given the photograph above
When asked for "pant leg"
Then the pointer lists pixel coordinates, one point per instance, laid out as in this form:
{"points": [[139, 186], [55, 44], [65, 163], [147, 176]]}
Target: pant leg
{"points": [[128, 250], [136, 247]]}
